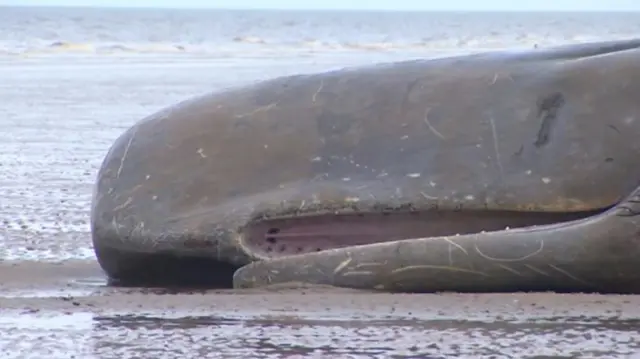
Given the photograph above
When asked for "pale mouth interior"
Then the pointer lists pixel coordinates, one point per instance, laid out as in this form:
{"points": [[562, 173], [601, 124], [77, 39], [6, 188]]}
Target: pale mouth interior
{"points": [[297, 235]]}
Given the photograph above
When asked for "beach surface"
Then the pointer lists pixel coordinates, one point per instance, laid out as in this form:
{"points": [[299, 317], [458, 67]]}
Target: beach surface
{"points": [[64, 310]]}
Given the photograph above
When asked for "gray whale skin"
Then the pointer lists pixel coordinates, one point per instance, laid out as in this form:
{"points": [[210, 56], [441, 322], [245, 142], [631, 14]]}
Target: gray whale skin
{"points": [[493, 172]]}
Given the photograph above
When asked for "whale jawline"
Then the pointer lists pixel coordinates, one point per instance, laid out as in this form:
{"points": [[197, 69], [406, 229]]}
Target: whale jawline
{"points": [[285, 236]]}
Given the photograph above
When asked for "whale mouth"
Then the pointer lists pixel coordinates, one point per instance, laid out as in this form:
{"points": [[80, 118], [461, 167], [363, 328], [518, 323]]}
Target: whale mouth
{"points": [[286, 236]]}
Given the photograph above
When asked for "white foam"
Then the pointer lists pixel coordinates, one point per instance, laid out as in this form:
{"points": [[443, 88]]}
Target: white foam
{"points": [[85, 32]]}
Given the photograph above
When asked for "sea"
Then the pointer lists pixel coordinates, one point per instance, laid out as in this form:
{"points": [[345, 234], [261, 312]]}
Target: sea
{"points": [[74, 79]]}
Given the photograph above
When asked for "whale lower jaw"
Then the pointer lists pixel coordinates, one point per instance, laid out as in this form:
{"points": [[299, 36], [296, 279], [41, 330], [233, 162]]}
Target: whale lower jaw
{"points": [[279, 237]]}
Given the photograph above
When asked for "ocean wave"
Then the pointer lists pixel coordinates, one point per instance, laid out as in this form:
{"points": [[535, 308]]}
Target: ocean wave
{"points": [[249, 39], [247, 45]]}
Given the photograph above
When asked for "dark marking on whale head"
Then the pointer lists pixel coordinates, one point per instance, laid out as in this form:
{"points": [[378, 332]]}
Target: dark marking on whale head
{"points": [[614, 128], [519, 152], [548, 108]]}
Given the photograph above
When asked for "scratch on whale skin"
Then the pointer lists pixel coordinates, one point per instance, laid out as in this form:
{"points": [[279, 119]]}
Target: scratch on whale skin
{"points": [[357, 273], [315, 95], [429, 125], [534, 253], [537, 270], [451, 242], [126, 152], [436, 267], [497, 75], [560, 270], [259, 109], [342, 265], [496, 146], [509, 269]]}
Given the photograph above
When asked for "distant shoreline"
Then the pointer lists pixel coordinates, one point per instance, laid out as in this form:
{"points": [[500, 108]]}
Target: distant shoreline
{"points": [[344, 10]]}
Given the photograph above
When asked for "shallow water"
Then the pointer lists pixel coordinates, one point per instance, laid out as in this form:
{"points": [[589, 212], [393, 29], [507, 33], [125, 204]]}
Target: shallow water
{"points": [[90, 336], [28, 33], [72, 81], [90, 320]]}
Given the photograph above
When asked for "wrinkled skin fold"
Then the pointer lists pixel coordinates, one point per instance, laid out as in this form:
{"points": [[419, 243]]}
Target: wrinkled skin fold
{"points": [[503, 171]]}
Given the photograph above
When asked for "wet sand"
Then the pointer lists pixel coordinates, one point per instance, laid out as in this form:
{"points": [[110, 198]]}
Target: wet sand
{"points": [[65, 310]]}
